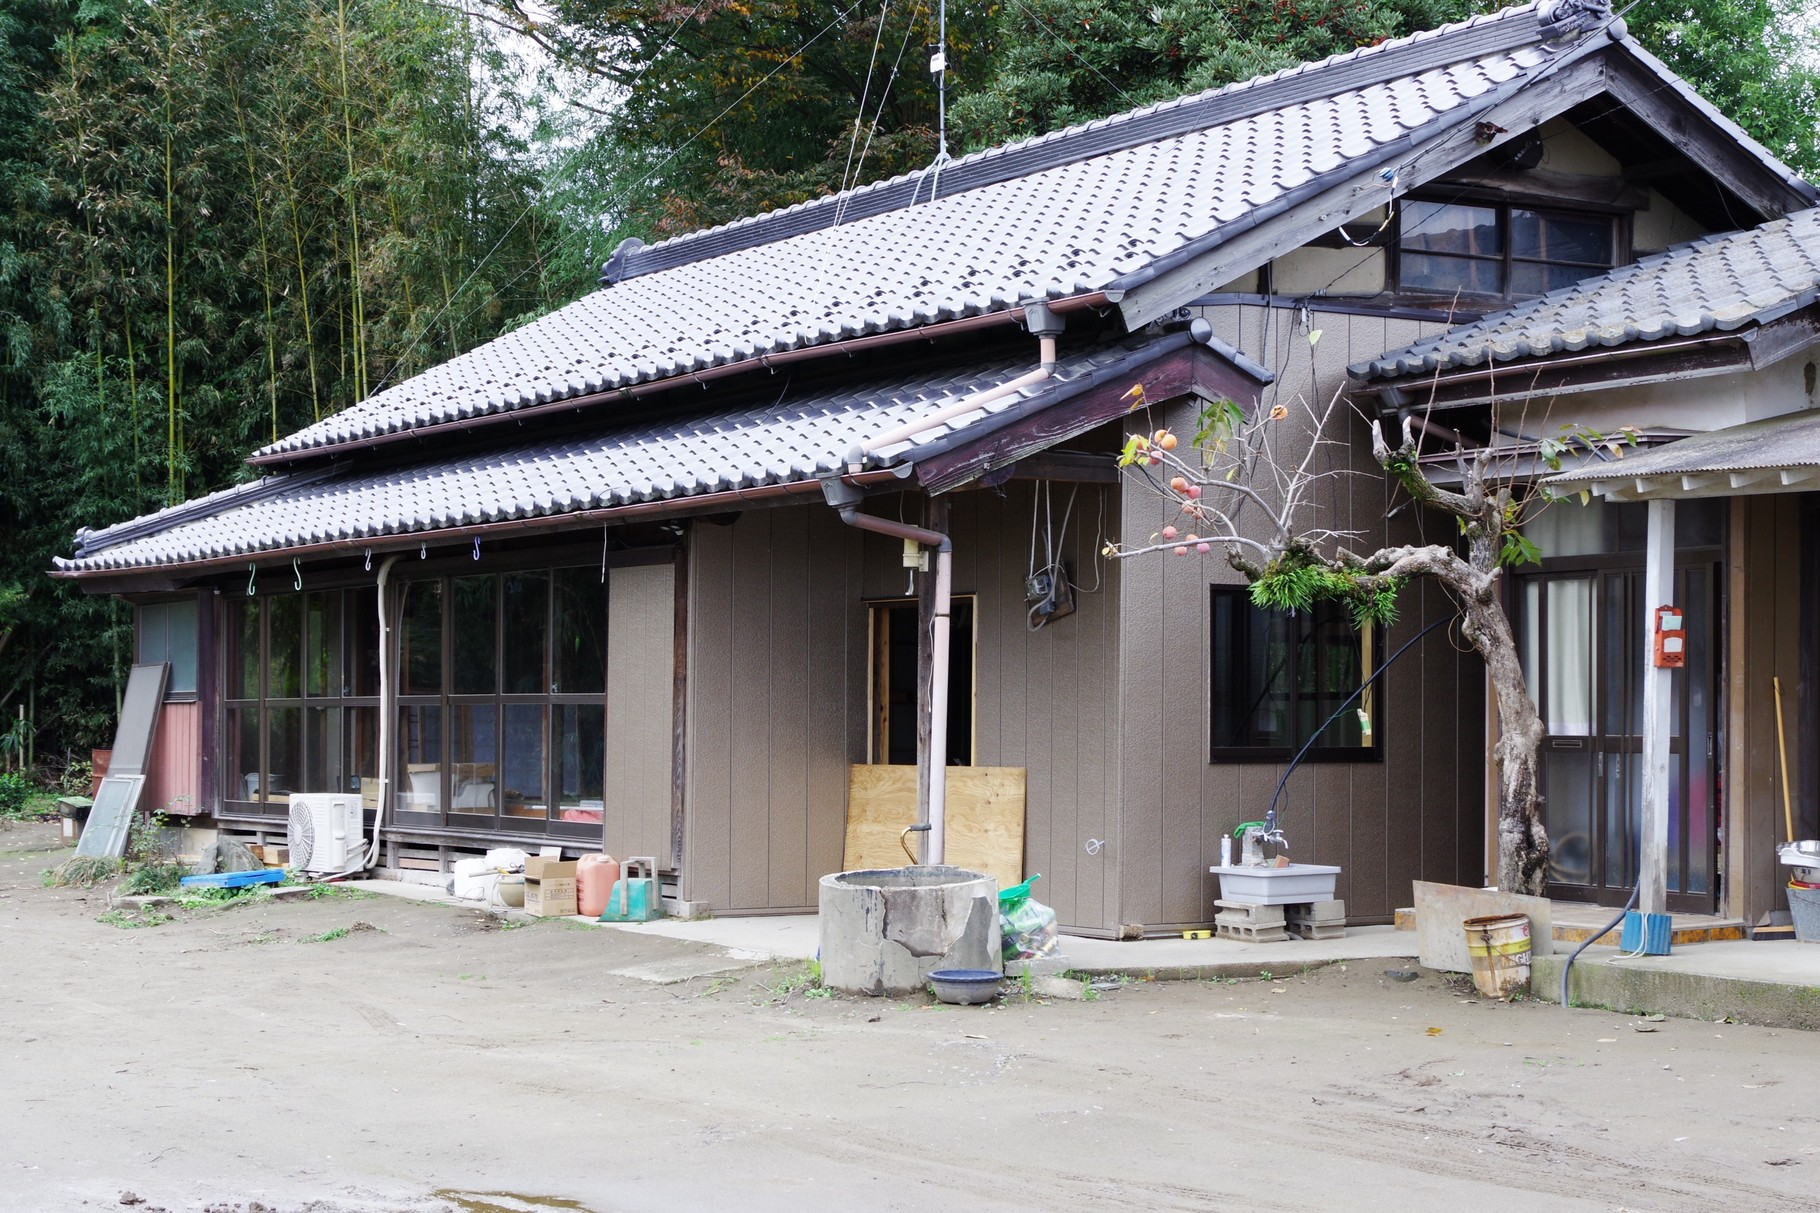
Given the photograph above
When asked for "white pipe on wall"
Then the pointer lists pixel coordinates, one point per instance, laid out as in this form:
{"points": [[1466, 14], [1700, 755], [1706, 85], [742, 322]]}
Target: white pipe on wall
{"points": [[386, 710]]}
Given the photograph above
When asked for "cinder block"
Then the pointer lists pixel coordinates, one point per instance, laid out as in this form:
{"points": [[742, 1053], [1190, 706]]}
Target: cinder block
{"points": [[1318, 911]]}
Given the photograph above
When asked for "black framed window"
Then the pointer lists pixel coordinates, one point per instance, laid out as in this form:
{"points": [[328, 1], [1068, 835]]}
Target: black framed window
{"points": [[300, 698], [502, 701], [1500, 248], [1277, 677]]}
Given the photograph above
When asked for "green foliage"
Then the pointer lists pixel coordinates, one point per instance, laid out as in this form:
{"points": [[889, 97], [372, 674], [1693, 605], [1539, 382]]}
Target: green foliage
{"points": [[207, 240], [1062, 62], [130, 920], [15, 791], [82, 872], [1296, 581], [328, 936], [151, 861]]}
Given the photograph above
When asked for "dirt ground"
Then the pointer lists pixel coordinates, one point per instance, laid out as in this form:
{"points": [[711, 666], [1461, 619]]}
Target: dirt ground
{"points": [[370, 1053]]}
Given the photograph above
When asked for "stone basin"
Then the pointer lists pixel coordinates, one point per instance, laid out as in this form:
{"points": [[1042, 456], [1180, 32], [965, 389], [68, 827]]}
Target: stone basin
{"points": [[884, 929], [1295, 884]]}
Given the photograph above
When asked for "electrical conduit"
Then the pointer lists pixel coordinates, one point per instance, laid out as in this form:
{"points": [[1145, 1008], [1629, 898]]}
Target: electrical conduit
{"points": [[385, 710]]}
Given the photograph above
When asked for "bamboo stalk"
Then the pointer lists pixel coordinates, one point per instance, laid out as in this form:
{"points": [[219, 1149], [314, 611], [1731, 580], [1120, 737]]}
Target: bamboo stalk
{"points": [[1788, 806], [265, 256]]}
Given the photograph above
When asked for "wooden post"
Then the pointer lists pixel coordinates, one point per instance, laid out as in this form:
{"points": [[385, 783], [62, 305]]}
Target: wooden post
{"points": [[1658, 590]]}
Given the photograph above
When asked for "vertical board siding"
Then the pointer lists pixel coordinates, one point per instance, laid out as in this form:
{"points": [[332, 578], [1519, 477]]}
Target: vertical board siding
{"points": [[774, 665], [173, 782], [779, 680], [641, 705], [1764, 598], [1418, 813]]}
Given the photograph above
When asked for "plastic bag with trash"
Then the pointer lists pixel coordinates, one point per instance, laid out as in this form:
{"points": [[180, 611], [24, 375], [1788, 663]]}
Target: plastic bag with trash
{"points": [[1026, 925]]}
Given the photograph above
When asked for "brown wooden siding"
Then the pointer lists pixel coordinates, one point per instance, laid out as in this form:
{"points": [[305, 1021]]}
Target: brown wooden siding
{"points": [[173, 782], [1417, 814], [1764, 641], [776, 706], [778, 694]]}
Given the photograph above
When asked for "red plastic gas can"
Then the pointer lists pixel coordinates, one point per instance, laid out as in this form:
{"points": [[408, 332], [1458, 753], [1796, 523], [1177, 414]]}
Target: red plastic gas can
{"points": [[595, 876]]}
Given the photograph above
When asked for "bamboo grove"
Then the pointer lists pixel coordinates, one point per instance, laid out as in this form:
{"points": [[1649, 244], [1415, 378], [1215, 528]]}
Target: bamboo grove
{"points": [[220, 221]]}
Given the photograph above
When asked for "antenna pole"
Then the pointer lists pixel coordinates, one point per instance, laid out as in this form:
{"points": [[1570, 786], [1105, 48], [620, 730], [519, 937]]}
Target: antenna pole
{"points": [[938, 64]]}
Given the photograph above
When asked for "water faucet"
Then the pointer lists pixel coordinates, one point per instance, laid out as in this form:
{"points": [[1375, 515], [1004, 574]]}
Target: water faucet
{"points": [[1272, 834]]}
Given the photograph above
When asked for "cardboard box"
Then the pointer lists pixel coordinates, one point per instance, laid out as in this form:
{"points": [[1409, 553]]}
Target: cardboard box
{"points": [[545, 867], [549, 886], [550, 898]]}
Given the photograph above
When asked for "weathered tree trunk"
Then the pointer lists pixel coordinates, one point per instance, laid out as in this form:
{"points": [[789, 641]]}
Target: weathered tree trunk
{"points": [[1522, 841]]}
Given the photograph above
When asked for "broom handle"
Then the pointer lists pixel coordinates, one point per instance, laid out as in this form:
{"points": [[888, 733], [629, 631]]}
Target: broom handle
{"points": [[1788, 810]]}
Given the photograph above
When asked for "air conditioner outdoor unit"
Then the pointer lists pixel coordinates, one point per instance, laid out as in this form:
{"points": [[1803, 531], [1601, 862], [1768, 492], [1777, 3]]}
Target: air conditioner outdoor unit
{"points": [[324, 833]]}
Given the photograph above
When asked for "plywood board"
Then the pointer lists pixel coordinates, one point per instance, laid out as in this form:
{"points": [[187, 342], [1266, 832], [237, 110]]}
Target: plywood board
{"points": [[1442, 908], [985, 819]]}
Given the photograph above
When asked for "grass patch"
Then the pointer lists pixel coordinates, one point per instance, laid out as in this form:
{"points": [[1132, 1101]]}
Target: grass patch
{"points": [[82, 872], [127, 920], [328, 936]]}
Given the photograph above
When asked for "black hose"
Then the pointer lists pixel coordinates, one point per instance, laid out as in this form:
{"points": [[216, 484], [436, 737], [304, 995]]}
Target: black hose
{"points": [[1346, 703], [1588, 942]]}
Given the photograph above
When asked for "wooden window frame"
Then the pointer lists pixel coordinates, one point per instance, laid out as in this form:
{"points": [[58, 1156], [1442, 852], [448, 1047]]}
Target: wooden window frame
{"points": [[1503, 204]]}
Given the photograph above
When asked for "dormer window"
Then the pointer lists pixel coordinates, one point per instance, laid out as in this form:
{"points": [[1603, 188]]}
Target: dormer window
{"points": [[1500, 249]]}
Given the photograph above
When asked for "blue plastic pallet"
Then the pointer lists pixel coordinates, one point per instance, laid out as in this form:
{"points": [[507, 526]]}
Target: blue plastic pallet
{"points": [[235, 880]]}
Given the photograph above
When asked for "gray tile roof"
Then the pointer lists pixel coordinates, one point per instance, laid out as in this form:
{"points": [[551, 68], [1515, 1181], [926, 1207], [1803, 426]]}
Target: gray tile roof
{"points": [[1066, 214], [1718, 283], [791, 438]]}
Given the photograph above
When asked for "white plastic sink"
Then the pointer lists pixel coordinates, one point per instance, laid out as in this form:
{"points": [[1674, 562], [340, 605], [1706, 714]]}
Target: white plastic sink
{"points": [[1292, 885]]}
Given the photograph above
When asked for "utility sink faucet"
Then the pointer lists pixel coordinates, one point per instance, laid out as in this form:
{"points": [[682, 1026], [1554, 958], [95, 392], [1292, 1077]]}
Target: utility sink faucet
{"points": [[1272, 834]]}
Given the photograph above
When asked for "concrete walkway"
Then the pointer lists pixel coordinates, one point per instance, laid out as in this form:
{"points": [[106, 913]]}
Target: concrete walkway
{"points": [[798, 937]]}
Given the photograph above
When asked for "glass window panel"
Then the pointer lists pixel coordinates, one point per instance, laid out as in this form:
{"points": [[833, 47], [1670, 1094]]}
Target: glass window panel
{"points": [[527, 610], [581, 760], [1339, 653], [323, 739], [1568, 528], [243, 649], [420, 759], [420, 639], [167, 632], [1442, 273], [523, 793], [284, 640], [181, 618], [1251, 655], [1552, 236], [360, 754], [1535, 278], [1567, 706], [363, 642], [1451, 227], [474, 759], [1567, 784], [283, 752], [581, 632], [475, 606], [243, 778], [322, 645]]}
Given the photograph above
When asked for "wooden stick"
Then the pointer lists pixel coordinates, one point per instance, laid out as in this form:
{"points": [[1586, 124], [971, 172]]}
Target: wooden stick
{"points": [[1788, 809]]}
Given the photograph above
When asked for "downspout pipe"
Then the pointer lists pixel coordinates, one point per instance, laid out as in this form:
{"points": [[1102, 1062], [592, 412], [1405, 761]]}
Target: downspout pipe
{"points": [[845, 498]]}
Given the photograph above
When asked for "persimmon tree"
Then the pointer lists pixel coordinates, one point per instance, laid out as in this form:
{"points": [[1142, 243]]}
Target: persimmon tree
{"points": [[1242, 488]]}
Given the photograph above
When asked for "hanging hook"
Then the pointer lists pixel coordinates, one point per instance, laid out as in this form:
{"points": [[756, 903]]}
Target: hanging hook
{"points": [[296, 572], [369, 560], [252, 571], [423, 551], [477, 547]]}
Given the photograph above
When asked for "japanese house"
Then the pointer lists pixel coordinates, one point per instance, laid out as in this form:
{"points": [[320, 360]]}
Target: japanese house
{"points": [[583, 585]]}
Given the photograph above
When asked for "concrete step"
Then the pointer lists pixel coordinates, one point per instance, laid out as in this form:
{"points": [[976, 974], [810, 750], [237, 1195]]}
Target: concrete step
{"points": [[1773, 985], [1705, 932]]}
